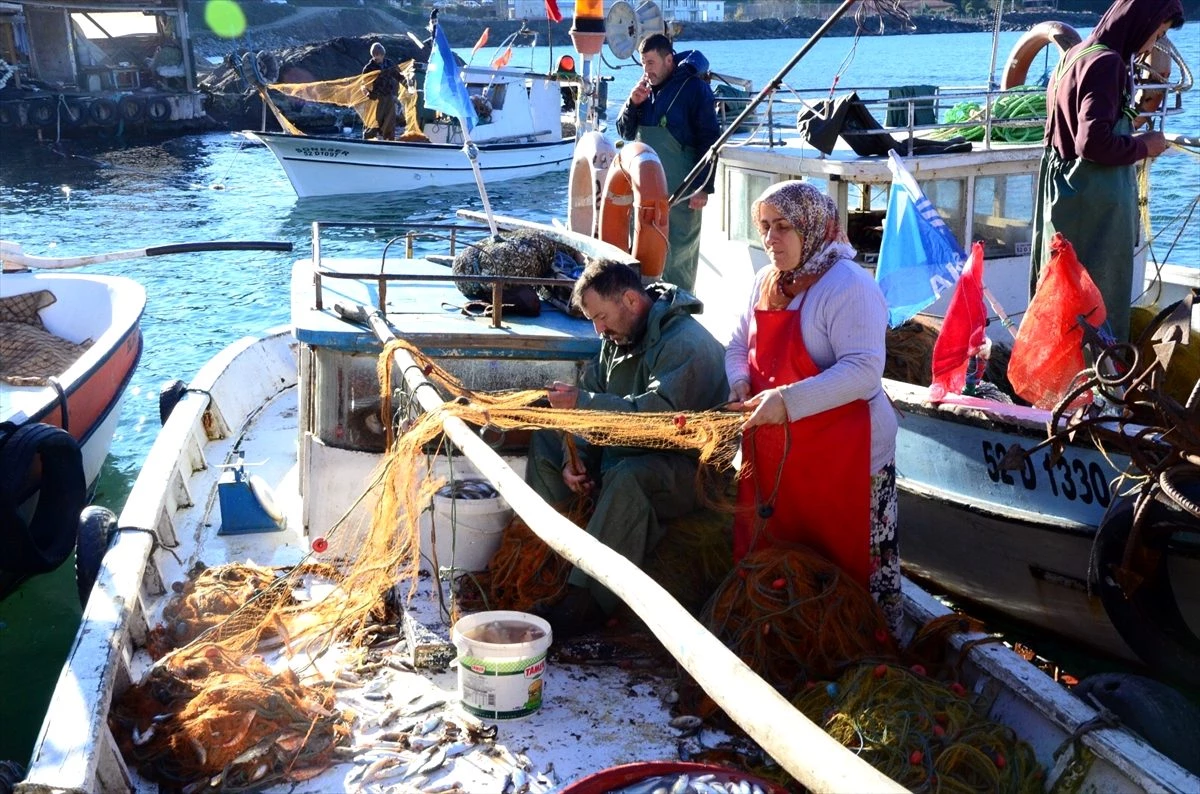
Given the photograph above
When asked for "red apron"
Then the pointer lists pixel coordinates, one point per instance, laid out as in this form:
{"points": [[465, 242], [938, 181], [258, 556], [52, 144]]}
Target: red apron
{"points": [[809, 481]]}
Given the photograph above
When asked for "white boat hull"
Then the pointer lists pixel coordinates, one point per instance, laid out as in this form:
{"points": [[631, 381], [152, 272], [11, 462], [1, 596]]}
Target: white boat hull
{"points": [[327, 166]]}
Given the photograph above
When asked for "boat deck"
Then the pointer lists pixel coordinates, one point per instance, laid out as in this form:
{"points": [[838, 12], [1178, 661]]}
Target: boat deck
{"points": [[594, 715]]}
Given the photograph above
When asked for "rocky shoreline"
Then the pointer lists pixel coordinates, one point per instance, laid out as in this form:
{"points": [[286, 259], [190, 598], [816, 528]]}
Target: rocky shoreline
{"points": [[333, 23]]}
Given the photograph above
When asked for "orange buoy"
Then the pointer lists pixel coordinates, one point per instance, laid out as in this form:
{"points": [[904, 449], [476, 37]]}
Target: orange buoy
{"points": [[637, 186], [589, 168], [1034, 41]]}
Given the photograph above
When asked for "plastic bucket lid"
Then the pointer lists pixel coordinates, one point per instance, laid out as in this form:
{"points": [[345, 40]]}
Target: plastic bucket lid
{"points": [[501, 680], [607, 780]]}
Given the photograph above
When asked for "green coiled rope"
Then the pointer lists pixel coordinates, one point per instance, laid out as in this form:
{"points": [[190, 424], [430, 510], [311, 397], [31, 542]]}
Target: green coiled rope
{"points": [[1018, 104]]}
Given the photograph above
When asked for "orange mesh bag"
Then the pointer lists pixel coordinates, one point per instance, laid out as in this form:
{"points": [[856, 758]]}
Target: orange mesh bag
{"points": [[1048, 351]]}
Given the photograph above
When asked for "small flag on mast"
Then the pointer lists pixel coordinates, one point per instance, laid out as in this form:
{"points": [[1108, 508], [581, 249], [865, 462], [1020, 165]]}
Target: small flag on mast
{"points": [[444, 90]]}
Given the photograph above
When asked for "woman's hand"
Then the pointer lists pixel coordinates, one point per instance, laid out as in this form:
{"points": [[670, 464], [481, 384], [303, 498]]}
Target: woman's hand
{"points": [[767, 408], [738, 393]]}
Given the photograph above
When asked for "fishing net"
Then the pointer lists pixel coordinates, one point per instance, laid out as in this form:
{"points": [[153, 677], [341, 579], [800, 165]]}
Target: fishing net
{"points": [[793, 616], [925, 735], [212, 711], [351, 92]]}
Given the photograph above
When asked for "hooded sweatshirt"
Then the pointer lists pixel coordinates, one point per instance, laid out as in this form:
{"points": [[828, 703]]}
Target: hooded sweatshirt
{"points": [[675, 365], [1092, 92]]}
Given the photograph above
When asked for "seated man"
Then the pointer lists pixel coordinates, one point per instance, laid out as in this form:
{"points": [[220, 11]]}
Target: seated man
{"points": [[655, 357]]}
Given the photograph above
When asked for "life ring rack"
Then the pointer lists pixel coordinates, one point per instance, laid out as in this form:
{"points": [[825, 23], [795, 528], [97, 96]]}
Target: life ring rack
{"points": [[636, 186], [1129, 571], [1037, 38]]}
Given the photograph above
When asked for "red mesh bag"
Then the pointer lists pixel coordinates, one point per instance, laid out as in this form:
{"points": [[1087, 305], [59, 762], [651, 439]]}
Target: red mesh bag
{"points": [[1048, 351]]}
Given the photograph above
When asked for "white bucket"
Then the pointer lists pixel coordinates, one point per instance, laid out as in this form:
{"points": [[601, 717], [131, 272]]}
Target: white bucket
{"points": [[468, 531], [501, 680]]}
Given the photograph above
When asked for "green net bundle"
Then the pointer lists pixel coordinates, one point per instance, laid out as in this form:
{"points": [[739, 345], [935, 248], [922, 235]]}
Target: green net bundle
{"points": [[925, 735]]}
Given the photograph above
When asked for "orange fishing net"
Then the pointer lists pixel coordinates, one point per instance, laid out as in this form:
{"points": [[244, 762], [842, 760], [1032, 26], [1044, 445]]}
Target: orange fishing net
{"points": [[349, 92]]}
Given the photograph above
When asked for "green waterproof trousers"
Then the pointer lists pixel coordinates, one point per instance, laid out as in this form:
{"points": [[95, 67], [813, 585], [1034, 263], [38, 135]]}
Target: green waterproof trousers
{"points": [[635, 491]]}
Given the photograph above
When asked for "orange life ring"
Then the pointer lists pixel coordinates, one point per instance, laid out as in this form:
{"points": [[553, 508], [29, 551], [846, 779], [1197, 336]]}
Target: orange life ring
{"points": [[1034, 41], [589, 167], [637, 180]]}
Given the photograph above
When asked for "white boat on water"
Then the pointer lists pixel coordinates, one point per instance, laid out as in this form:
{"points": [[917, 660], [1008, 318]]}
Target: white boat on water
{"points": [[300, 403], [524, 136], [69, 345], [1025, 542]]}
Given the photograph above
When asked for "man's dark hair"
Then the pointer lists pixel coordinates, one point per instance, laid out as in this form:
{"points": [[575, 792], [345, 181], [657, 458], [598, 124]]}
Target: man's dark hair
{"points": [[659, 43], [608, 279], [1176, 21]]}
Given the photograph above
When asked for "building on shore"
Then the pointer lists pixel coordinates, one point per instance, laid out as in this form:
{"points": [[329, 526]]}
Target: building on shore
{"points": [[97, 67]]}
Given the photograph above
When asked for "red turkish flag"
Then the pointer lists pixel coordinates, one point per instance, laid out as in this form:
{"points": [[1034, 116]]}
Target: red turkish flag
{"points": [[552, 11], [963, 329]]}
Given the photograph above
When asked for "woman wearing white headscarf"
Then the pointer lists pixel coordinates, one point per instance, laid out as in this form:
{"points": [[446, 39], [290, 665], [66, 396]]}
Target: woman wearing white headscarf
{"points": [[806, 362]]}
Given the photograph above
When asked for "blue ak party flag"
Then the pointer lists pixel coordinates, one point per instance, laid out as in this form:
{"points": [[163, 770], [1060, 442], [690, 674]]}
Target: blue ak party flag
{"points": [[444, 90], [919, 257]]}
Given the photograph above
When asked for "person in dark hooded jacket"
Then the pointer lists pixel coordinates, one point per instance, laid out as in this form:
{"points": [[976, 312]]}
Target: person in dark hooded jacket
{"points": [[1086, 184], [655, 357], [672, 110]]}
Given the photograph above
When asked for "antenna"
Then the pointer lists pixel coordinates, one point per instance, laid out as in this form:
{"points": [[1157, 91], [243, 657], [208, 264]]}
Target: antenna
{"points": [[625, 27]]}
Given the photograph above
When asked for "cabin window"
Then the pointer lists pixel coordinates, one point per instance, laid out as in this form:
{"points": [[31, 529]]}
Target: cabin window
{"points": [[1003, 214], [949, 197], [866, 206], [743, 187]]}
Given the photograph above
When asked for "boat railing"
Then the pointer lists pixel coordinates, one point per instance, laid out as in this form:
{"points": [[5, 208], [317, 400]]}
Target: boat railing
{"points": [[453, 235], [943, 112]]}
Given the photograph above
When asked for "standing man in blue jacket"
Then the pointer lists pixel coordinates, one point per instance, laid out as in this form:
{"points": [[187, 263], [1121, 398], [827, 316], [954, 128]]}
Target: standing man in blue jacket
{"points": [[672, 110]]}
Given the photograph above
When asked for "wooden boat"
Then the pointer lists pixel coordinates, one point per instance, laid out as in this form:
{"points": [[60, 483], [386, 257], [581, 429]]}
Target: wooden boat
{"points": [[1023, 542], [524, 137], [299, 400], [71, 344]]}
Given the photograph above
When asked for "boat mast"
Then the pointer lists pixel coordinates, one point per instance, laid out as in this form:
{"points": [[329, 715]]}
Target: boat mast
{"points": [[776, 82]]}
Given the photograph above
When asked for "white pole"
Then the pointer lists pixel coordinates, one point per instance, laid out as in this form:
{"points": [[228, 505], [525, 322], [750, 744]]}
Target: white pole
{"points": [[472, 153]]}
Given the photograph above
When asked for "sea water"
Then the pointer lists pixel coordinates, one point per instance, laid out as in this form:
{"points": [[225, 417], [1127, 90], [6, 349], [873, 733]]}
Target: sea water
{"points": [[77, 198]]}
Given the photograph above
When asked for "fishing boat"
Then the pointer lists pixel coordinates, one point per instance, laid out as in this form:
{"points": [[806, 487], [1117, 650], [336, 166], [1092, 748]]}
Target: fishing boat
{"points": [[1038, 536], [274, 460], [522, 135], [70, 345]]}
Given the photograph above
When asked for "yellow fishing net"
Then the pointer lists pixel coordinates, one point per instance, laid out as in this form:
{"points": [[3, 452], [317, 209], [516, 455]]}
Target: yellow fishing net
{"points": [[351, 92]]}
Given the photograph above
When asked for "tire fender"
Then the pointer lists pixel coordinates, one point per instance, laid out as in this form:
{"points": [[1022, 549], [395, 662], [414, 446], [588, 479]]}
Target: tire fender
{"points": [[1147, 616], [104, 111], [42, 544], [97, 528], [169, 396]]}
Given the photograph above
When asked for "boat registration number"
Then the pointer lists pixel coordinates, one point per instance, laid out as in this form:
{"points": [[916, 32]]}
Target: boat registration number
{"points": [[1068, 477], [321, 151]]}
